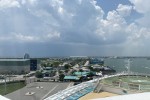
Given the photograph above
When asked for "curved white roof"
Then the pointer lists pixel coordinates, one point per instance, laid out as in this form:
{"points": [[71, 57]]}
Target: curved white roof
{"points": [[3, 98], [137, 96]]}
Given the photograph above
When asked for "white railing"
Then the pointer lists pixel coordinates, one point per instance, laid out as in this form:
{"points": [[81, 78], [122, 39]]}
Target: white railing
{"points": [[73, 89]]}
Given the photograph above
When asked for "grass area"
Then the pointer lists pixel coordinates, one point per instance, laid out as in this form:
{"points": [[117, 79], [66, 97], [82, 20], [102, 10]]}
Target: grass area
{"points": [[10, 87], [132, 82], [129, 79]]}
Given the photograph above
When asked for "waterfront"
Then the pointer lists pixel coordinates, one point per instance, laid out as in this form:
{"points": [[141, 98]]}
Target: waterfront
{"points": [[140, 65]]}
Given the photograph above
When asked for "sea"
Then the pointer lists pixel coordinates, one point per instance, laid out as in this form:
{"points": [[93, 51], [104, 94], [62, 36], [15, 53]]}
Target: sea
{"points": [[139, 65]]}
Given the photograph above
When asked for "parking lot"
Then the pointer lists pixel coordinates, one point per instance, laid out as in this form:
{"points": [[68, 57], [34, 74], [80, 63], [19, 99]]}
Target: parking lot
{"points": [[37, 90]]}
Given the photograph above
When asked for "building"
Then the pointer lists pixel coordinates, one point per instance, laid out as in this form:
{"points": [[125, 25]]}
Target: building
{"points": [[48, 72], [14, 66], [34, 64], [71, 78]]}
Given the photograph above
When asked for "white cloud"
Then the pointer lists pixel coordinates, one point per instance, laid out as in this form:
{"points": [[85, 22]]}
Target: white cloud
{"points": [[124, 10], [112, 29], [9, 4], [137, 33], [31, 2], [142, 6], [71, 22], [21, 37], [78, 21]]}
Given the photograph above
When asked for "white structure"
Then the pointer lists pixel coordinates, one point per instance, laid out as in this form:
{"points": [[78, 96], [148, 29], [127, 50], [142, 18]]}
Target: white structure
{"points": [[3, 98], [137, 96], [128, 65], [64, 94], [87, 63]]}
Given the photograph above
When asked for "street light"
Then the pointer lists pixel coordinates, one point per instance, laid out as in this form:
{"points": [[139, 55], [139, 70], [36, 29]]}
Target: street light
{"points": [[5, 83]]}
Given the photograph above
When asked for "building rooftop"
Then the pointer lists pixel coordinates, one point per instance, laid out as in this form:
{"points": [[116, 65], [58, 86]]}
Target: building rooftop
{"points": [[14, 59], [72, 77], [81, 73]]}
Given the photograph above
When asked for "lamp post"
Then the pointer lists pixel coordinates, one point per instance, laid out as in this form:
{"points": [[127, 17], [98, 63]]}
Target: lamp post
{"points": [[128, 66], [25, 75], [5, 83], [128, 61]]}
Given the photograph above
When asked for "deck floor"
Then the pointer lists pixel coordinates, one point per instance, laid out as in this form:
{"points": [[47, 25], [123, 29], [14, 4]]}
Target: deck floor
{"points": [[92, 95]]}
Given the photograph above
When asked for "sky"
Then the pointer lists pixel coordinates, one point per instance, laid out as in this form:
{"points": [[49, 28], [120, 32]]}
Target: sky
{"points": [[45, 28]]}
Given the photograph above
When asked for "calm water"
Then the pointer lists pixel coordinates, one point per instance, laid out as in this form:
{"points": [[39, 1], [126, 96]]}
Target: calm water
{"points": [[141, 65]]}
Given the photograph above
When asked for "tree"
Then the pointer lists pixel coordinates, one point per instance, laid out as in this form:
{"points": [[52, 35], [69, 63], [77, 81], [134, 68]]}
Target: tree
{"points": [[66, 71], [72, 72], [91, 68], [39, 74], [60, 72], [67, 66], [43, 64], [56, 63], [61, 77], [80, 70]]}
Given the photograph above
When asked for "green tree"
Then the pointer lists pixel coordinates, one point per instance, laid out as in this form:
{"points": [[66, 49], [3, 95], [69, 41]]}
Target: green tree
{"points": [[56, 64], [60, 72], [80, 70], [91, 68], [66, 71], [43, 64], [39, 74], [67, 66], [72, 72], [61, 77]]}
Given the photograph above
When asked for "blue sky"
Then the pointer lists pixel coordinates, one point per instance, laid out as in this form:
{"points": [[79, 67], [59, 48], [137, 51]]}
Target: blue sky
{"points": [[74, 28], [108, 5]]}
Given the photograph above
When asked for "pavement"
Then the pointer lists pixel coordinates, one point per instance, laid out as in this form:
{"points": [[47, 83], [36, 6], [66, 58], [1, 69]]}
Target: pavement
{"points": [[38, 90]]}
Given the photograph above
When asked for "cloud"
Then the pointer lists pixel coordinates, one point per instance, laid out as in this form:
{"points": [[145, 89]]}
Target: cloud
{"points": [[111, 29], [8, 4], [143, 8], [50, 19], [80, 21], [77, 22], [124, 10]]}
